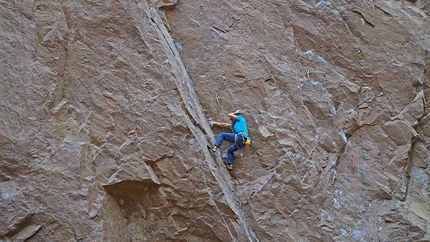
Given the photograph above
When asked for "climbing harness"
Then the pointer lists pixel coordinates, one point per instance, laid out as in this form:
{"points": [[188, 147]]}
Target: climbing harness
{"points": [[236, 139], [247, 139]]}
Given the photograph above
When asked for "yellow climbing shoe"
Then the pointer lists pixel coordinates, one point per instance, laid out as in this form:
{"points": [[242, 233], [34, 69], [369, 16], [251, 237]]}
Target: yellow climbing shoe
{"points": [[212, 148]]}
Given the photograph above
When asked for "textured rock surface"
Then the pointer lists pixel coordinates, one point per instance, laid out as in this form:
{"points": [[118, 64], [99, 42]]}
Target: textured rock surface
{"points": [[103, 127]]}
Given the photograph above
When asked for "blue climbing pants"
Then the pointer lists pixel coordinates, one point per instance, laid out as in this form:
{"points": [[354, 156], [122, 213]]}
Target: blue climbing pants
{"points": [[236, 139]]}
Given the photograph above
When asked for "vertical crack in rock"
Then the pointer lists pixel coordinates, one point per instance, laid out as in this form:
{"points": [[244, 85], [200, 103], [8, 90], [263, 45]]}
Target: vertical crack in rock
{"points": [[196, 120]]}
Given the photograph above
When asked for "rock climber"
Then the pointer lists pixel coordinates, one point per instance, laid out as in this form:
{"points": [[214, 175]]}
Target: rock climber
{"points": [[239, 136]]}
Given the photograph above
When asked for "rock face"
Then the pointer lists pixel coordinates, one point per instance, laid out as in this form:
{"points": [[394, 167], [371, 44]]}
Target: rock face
{"points": [[104, 108]]}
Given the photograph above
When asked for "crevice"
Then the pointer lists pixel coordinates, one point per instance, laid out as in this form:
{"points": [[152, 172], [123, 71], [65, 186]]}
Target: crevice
{"points": [[218, 29], [364, 18], [195, 120], [387, 13], [170, 47]]}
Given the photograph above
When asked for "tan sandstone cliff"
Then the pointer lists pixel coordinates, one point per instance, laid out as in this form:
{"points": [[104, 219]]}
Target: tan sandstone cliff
{"points": [[104, 107]]}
